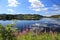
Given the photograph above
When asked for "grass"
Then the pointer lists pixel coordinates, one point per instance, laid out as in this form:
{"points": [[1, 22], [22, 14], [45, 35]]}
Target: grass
{"points": [[7, 33]]}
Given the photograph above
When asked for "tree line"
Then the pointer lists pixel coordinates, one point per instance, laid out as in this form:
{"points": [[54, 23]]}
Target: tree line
{"points": [[20, 16]]}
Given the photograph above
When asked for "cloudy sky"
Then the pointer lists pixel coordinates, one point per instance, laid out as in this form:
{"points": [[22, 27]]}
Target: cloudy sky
{"points": [[42, 7]]}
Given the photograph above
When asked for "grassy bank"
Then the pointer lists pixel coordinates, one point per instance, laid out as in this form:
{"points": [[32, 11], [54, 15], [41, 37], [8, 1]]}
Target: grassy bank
{"points": [[10, 33]]}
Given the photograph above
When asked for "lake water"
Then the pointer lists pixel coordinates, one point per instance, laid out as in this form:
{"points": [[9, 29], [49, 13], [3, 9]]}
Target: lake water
{"points": [[50, 22]]}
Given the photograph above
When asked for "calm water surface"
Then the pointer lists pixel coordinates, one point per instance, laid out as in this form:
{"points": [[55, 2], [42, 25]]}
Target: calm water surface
{"points": [[50, 22]]}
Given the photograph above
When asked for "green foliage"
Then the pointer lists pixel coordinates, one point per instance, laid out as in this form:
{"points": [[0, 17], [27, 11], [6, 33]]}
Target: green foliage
{"points": [[55, 16], [43, 36], [7, 33], [20, 16]]}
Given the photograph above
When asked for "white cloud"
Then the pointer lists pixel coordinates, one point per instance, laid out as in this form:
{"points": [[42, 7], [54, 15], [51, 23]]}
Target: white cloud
{"points": [[37, 5], [54, 8], [13, 3], [36, 9], [40, 9], [10, 10], [54, 5]]}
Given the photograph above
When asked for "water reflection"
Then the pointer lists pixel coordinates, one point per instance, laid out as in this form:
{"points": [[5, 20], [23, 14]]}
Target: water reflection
{"points": [[48, 23]]}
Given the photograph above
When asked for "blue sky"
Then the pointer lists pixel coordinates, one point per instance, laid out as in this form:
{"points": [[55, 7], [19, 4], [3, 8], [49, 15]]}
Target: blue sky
{"points": [[42, 7]]}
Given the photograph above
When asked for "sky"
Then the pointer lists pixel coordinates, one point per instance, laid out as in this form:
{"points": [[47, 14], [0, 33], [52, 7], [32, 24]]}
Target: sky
{"points": [[41, 7]]}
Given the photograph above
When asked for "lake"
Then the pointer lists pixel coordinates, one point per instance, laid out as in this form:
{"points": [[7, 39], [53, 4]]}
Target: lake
{"points": [[50, 22]]}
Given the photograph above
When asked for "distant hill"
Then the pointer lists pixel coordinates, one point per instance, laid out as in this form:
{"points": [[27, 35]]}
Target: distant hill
{"points": [[20, 16], [55, 16]]}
